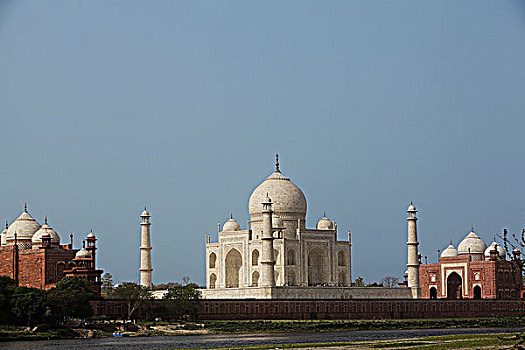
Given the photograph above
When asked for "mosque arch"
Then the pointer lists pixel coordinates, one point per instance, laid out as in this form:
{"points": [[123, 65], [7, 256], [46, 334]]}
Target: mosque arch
{"points": [[454, 282], [213, 281], [255, 279], [341, 258], [317, 267], [290, 257], [433, 293], [213, 260], [255, 257], [233, 264], [477, 292]]}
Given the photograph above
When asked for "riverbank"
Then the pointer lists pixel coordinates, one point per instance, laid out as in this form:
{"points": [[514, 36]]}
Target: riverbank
{"points": [[11, 333], [461, 341]]}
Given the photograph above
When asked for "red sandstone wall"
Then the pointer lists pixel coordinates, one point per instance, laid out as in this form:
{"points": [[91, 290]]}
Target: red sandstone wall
{"points": [[334, 309]]}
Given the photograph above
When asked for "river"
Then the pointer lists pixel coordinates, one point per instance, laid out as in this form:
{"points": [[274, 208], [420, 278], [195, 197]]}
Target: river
{"points": [[192, 341]]}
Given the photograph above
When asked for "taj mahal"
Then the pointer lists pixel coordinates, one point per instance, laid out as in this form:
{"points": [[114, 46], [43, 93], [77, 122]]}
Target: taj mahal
{"points": [[276, 256]]}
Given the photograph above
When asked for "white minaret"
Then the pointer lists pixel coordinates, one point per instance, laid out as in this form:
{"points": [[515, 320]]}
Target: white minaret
{"points": [[267, 259], [145, 250], [413, 259]]}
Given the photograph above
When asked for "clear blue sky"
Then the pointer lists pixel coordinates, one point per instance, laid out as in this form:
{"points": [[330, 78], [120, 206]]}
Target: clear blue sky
{"points": [[107, 106]]}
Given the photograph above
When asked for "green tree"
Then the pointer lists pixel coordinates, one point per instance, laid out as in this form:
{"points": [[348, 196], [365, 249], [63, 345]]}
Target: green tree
{"points": [[107, 284], [7, 288], [183, 300], [71, 298], [29, 305], [359, 282], [136, 297]]}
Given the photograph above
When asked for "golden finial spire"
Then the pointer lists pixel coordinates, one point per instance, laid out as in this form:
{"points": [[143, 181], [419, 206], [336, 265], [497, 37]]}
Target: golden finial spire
{"points": [[277, 163], [25, 207], [45, 220]]}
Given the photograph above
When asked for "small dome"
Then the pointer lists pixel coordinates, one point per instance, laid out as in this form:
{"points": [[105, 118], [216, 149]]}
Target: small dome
{"points": [[277, 222], [411, 207], [91, 235], [145, 212], [231, 225], [37, 237], [472, 242], [325, 224], [83, 254], [25, 227], [449, 252], [499, 249]]}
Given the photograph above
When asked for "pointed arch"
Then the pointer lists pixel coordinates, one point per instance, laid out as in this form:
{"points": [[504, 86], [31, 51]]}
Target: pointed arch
{"points": [[233, 264], [212, 260]]}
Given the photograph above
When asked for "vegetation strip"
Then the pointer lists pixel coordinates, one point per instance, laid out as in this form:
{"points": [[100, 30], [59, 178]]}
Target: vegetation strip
{"points": [[457, 341]]}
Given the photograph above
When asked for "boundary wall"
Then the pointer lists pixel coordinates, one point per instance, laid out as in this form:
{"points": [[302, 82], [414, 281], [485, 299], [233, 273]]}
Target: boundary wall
{"points": [[333, 309]]}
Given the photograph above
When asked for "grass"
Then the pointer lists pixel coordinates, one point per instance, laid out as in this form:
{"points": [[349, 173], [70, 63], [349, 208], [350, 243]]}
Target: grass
{"points": [[459, 341]]}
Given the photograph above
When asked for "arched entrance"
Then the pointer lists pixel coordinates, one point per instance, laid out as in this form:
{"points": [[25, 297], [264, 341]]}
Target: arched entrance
{"points": [[477, 292], [433, 293], [454, 286], [317, 267], [233, 264]]}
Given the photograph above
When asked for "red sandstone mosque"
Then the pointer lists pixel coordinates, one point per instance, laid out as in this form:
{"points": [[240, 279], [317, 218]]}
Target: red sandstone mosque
{"points": [[32, 255], [472, 271]]}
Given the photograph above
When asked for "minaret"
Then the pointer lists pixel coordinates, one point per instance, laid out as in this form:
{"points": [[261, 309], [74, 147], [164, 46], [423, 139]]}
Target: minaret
{"points": [[413, 261], [145, 250], [267, 259]]}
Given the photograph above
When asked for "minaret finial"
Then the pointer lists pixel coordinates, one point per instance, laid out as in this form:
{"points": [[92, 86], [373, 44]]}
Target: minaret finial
{"points": [[324, 213], [45, 220], [6, 225], [231, 215], [471, 228], [450, 242], [25, 207], [277, 163], [145, 208]]}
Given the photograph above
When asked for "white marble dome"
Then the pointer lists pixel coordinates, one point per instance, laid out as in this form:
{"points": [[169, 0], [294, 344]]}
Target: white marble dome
{"points": [[325, 224], [83, 254], [472, 242], [91, 235], [231, 225], [37, 237], [25, 227], [499, 249], [288, 200], [145, 212], [449, 252]]}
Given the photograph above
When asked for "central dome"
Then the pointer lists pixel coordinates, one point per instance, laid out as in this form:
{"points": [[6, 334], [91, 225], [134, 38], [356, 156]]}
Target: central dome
{"points": [[288, 200]]}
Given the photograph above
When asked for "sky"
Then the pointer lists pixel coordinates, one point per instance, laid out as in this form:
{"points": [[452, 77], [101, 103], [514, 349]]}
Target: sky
{"points": [[108, 106]]}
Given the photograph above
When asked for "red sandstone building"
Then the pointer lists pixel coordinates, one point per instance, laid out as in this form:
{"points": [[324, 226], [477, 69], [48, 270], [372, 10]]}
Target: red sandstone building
{"points": [[33, 256], [473, 271]]}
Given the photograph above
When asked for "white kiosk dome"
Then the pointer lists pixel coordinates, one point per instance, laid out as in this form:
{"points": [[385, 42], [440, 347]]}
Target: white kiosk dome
{"points": [[500, 250], [37, 237], [231, 225], [83, 254], [472, 242], [325, 224], [449, 252]]}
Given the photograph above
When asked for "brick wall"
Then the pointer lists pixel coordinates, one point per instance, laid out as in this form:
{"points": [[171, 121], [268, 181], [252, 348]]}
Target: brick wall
{"points": [[334, 309]]}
